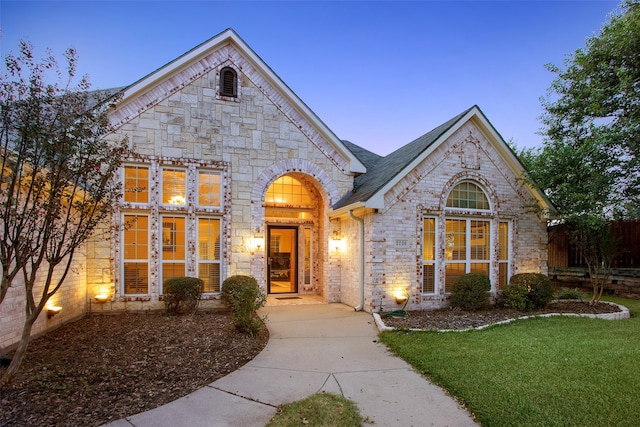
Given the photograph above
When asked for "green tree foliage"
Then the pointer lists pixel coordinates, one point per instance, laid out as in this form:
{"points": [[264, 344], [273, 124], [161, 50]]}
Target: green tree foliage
{"points": [[592, 236], [57, 183], [589, 164]]}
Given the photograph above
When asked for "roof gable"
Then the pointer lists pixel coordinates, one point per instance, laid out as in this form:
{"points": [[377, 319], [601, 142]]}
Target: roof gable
{"points": [[370, 188], [228, 46]]}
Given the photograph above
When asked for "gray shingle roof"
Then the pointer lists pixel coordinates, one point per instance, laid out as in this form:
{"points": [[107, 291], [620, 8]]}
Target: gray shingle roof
{"points": [[368, 158], [381, 170]]}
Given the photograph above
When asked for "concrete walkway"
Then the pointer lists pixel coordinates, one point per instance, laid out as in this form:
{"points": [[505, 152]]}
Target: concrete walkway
{"points": [[313, 348]]}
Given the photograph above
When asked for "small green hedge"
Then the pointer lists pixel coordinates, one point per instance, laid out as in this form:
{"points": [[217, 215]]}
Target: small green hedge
{"points": [[244, 297], [528, 291], [182, 294], [471, 292], [514, 297]]}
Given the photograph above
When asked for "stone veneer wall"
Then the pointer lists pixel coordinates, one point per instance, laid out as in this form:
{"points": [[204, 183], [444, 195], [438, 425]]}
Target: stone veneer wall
{"points": [[71, 297], [257, 137]]}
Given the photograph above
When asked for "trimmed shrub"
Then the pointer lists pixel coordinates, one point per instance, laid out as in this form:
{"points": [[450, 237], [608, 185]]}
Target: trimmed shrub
{"points": [[566, 293], [471, 292], [182, 294], [538, 286], [514, 297], [244, 297]]}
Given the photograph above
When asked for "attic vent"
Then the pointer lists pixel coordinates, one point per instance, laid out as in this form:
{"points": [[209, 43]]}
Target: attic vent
{"points": [[228, 82]]}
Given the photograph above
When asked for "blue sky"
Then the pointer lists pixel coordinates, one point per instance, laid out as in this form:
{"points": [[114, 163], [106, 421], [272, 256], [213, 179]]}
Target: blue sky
{"points": [[378, 73]]}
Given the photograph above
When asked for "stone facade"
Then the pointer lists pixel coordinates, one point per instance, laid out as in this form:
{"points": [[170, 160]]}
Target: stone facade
{"points": [[253, 141], [71, 297]]}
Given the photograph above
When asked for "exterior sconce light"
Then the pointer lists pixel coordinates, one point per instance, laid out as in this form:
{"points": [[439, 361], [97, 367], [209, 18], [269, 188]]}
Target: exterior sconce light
{"points": [[336, 241], [52, 310], [400, 296], [258, 241]]}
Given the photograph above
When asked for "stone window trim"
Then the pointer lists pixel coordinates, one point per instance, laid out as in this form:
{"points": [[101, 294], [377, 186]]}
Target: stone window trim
{"points": [[155, 209], [192, 167]]}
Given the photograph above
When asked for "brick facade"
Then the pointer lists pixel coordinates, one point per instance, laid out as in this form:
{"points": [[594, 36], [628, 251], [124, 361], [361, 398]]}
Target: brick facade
{"points": [[393, 236]]}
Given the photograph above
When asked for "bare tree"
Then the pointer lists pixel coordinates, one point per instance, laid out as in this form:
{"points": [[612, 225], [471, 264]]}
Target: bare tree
{"points": [[57, 183]]}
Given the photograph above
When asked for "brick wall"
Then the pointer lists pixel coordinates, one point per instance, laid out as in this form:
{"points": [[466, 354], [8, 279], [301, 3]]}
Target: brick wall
{"points": [[394, 261]]}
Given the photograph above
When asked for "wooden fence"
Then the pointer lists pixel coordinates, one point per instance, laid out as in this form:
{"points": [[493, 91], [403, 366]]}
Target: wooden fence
{"points": [[562, 254]]}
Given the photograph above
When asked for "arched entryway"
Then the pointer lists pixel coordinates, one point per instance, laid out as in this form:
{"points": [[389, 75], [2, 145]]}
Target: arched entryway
{"points": [[309, 219], [293, 221]]}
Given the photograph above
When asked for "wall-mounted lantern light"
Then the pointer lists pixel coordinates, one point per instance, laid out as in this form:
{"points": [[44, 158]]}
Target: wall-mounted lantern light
{"points": [[336, 242], [257, 242]]}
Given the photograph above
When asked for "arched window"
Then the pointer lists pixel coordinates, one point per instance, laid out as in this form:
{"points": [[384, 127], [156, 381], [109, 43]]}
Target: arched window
{"points": [[464, 243], [228, 82], [287, 197], [468, 195], [289, 191], [467, 238]]}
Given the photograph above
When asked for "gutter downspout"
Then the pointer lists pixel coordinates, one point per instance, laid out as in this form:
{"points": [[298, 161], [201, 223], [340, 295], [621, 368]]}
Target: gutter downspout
{"points": [[361, 266]]}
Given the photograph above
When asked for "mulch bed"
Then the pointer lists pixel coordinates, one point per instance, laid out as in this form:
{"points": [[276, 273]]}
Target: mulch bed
{"points": [[106, 367], [451, 319]]}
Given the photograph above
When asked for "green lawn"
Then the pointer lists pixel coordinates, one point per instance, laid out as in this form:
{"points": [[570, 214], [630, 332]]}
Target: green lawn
{"points": [[318, 410], [559, 371]]}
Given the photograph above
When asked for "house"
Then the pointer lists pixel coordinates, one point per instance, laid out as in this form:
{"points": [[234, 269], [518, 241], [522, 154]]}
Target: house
{"points": [[236, 175]]}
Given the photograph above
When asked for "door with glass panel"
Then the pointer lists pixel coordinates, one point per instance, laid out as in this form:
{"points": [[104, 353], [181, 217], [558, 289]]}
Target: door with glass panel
{"points": [[282, 259]]}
